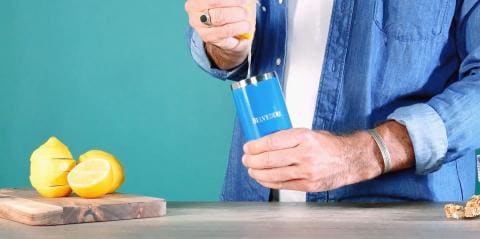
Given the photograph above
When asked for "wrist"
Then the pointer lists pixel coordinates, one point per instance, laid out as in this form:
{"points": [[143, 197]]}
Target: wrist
{"points": [[398, 143], [362, 147], [226, 59]]}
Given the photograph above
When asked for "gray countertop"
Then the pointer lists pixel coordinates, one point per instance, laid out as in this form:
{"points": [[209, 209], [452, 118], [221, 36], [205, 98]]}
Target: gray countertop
{"points": [[268, 220]]}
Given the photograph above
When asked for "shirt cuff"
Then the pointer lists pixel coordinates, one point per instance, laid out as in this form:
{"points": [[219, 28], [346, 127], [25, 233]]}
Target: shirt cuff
{"points": [[427, 133], [199, 54]]}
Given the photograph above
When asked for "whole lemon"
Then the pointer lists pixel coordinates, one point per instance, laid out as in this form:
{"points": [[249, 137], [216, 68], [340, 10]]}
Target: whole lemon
{"points": [[116, 166]]}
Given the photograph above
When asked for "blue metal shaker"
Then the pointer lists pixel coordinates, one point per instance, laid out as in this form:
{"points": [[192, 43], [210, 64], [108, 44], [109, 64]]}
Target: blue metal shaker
{"points": [[260, 106]]}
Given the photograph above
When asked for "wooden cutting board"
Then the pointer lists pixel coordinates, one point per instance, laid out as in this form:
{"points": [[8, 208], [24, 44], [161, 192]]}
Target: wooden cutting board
{"points": [[26, 206]]}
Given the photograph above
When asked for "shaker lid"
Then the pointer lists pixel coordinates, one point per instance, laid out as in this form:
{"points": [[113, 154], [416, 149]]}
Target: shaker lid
{"points": [[253, 80]]}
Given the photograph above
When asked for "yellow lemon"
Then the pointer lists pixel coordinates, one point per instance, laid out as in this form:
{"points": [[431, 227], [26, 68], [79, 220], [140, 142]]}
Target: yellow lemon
{"points": [[54, 191], [117, 169], [53, 148], [91, 178], [49, 180], [49, 167]]}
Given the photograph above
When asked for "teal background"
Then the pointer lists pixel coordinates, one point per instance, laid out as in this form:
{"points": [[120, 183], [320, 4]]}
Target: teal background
{"points": [[114, 75]]}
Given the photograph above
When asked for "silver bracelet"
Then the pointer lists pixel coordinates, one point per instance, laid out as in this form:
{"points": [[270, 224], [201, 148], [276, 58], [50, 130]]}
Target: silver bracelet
{"points": [[387, 160]]}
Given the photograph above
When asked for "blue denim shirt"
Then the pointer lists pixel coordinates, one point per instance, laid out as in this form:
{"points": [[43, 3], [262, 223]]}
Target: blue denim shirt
{"points": [[416, 62]]}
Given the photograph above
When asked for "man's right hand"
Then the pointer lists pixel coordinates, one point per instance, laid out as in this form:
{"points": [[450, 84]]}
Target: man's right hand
{"points": [[229, 18]]}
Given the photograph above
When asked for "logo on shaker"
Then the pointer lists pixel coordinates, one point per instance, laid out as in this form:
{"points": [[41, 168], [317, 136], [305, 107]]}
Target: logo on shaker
{"points": [[260, 105], [267, 117]]}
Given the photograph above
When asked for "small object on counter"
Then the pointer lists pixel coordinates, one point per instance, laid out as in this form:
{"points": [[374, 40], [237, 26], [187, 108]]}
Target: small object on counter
{"points": [[454, 211], [471, 209]]}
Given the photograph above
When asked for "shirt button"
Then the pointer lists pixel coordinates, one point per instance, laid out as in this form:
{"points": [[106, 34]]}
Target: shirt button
{"points": [[280, 1], [264, 9], [278, 61]]}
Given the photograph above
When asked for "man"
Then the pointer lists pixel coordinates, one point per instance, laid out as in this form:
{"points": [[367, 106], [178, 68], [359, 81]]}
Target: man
{"points": [[408, 69]]}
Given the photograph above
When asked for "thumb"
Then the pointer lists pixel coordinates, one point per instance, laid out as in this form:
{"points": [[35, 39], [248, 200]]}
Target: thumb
{"points": [[233, 44]]}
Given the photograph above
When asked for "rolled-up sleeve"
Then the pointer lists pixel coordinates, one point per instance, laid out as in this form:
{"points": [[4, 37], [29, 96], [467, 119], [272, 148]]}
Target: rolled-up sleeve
{"points": [[427, 133], [447, 126], [199, 55]]}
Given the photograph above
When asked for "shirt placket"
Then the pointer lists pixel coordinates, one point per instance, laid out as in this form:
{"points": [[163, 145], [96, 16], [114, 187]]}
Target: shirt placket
{"points": [[330, 86]]}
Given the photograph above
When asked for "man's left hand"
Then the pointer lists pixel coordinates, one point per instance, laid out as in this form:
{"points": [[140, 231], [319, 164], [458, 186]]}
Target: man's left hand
{"points": [[315, 161]]}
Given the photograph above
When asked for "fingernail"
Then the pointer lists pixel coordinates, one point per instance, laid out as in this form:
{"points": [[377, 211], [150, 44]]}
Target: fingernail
{"points": [[245, 147]]}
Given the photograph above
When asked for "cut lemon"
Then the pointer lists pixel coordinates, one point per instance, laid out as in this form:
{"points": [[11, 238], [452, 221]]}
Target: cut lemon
{"points": [[252, 11], [49, 180], [49, 167], [54, 192], [46, 166], [117, 169], [91, 178]]}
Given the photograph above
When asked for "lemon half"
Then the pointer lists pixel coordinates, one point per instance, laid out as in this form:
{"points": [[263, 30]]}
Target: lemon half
{"points": [[117, 168], [91, 178]]}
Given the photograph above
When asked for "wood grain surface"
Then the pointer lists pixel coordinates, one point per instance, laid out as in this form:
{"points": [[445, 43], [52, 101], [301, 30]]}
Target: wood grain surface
{"points": [[268, 220], [26, 206]]}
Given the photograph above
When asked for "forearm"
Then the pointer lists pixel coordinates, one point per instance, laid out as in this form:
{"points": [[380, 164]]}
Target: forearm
{"points": [[225, 59], [362, 148]]}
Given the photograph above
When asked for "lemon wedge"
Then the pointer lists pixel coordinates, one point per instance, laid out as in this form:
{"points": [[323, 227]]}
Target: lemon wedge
{"points": [[91, 178], [54, 191], [49, 180], [51, 166], [252, 9], [117, 168]]}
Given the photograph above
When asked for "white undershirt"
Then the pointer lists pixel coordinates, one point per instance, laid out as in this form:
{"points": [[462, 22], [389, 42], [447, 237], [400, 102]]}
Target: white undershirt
{"points": [[308, 25]]}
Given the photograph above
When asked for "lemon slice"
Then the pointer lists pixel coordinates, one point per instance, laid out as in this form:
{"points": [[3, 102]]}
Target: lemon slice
{"points": [[54, 191], [117, 169], [49, 180], [91, 179], [53, 148], [47, 166]]}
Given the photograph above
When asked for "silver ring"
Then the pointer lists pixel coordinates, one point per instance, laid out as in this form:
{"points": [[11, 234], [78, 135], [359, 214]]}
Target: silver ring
{"points": [[206, 19]]}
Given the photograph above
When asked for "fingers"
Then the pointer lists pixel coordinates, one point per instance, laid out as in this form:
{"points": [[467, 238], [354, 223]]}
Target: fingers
{"points": [[229, 19], [272, 159], [203, 5], [219, 17], [275, 175], [281, 140], [296, 184], [216, 34], [222, 16], [233, 43]]}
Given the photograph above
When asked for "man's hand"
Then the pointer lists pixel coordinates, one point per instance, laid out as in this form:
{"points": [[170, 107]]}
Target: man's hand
{"points": [[315, 161], [230, 18]]}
